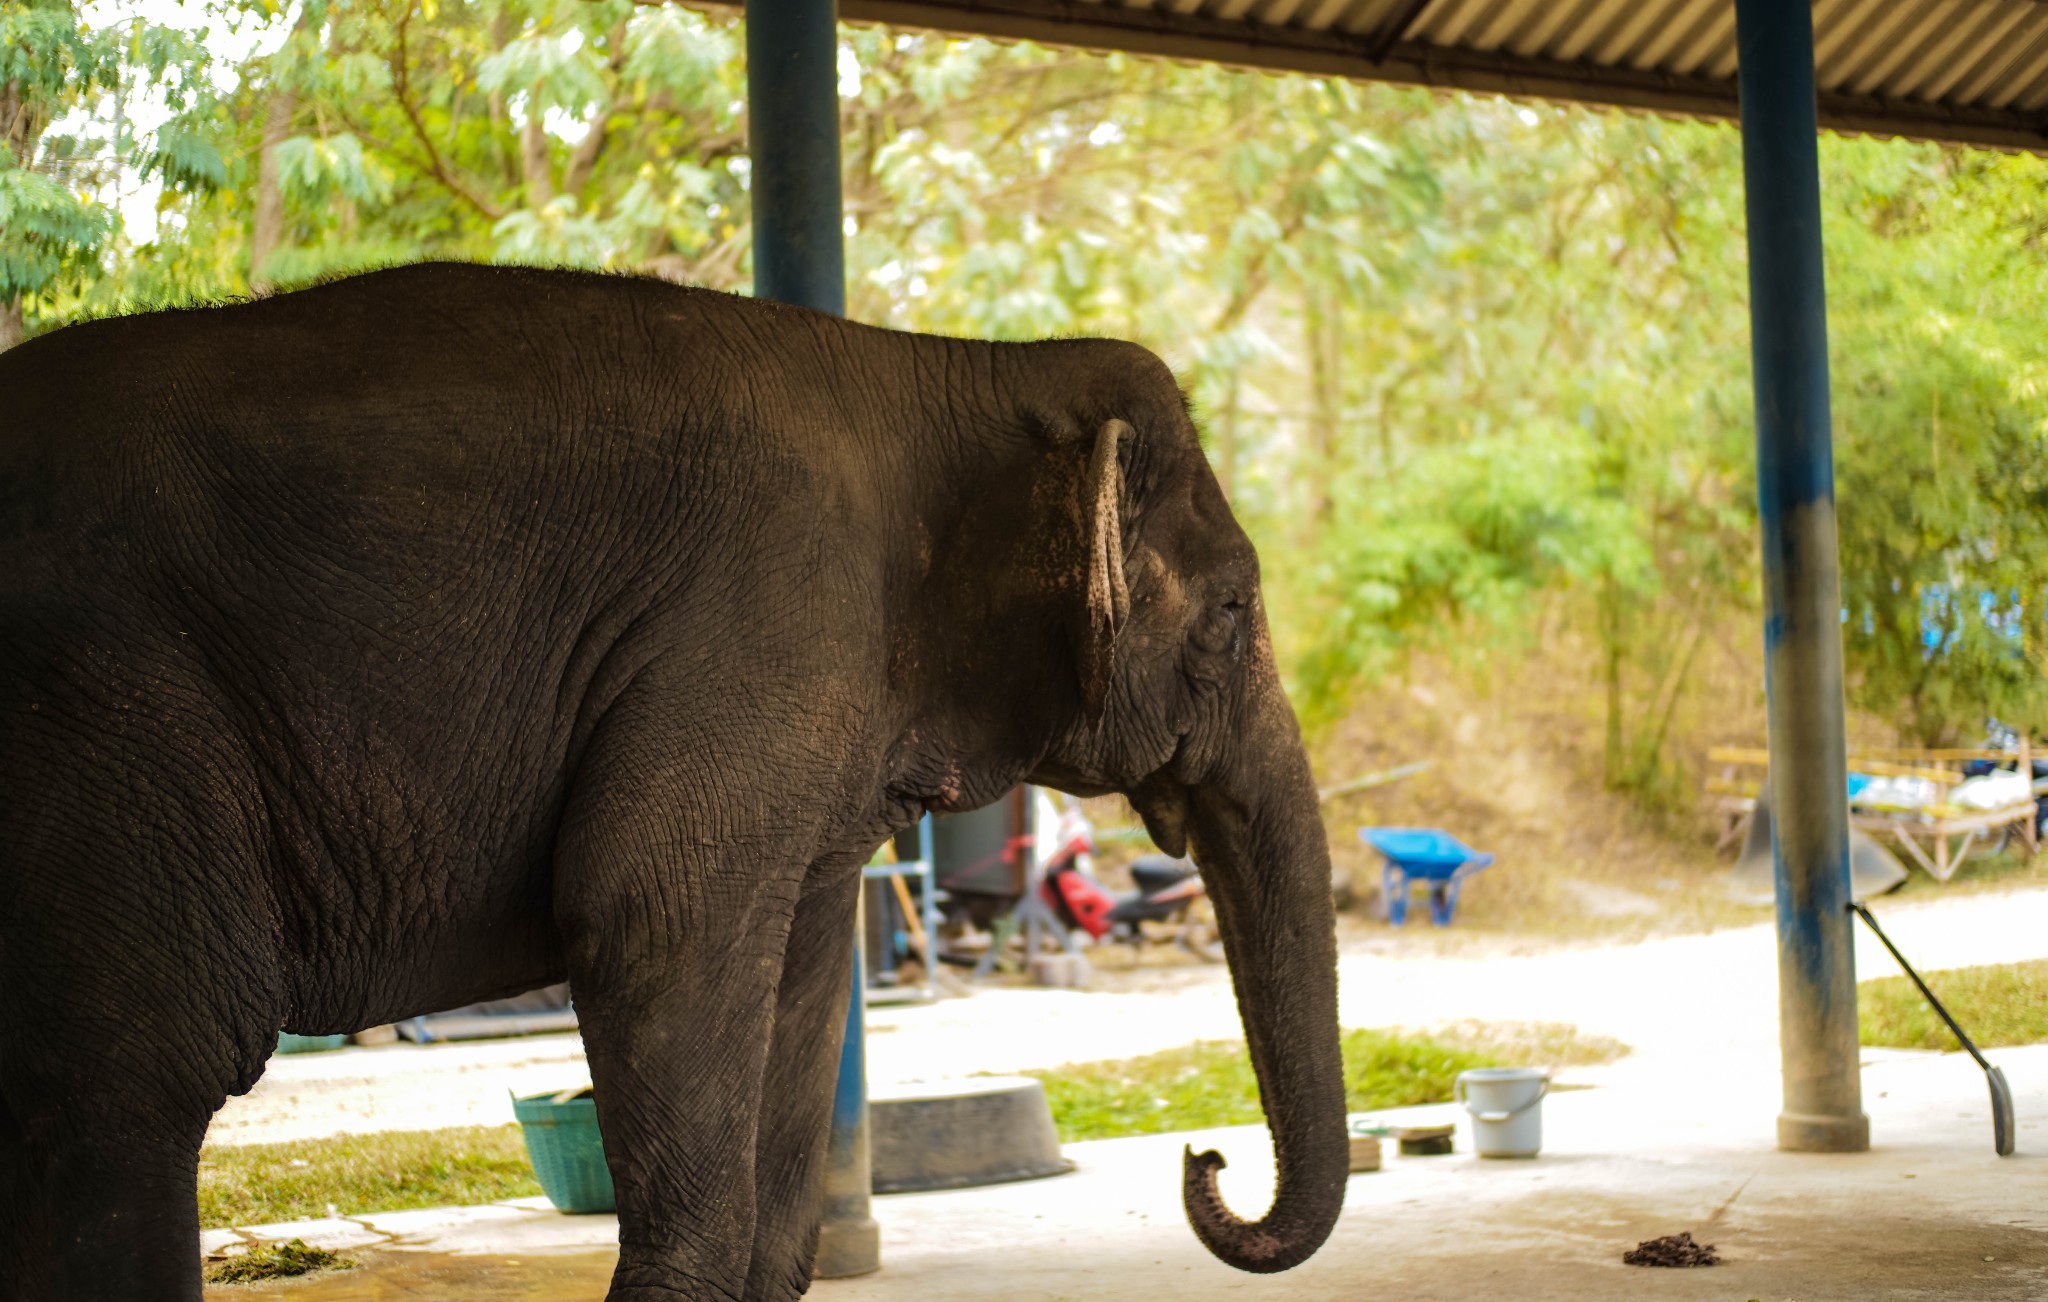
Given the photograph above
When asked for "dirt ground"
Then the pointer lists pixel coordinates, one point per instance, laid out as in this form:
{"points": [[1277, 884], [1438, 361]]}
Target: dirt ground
{"points": [[1516, 756]]}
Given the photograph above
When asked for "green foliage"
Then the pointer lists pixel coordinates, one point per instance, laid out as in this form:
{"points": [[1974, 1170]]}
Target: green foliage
{"points": [[1467, 537], [263, 1184], [49, 230], [45, 55], [185, 158], [56, 76], [1211, 1083], [1943, 465], [554, 69], [1998, 1005], [314, 170], [1473, 372]]}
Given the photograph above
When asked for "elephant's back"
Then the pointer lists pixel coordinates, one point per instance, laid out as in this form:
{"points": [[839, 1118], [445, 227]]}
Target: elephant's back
{"points": [[353, 425], [421, 454]]}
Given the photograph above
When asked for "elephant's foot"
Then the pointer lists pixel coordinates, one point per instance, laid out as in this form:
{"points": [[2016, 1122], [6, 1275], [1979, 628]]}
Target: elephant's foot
{"points": [[644, 1277]]}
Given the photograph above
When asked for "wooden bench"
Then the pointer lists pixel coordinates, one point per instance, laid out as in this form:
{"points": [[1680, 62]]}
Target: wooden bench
{"points": [[1935, 836]]}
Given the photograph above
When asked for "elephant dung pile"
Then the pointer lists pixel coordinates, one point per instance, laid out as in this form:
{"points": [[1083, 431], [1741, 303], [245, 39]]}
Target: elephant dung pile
{"points": [[1672, 1250]]}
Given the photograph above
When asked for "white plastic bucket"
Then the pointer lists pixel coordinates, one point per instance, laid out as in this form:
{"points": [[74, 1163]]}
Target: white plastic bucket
{"points": [[1506, 1107]]}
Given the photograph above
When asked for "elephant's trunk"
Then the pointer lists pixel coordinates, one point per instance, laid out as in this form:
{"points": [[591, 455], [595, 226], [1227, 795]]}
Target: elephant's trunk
{"points": [[1267, 864]]}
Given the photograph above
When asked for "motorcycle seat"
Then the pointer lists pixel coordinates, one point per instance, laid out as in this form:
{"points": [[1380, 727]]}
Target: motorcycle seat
{"points": [[1156, 872]]}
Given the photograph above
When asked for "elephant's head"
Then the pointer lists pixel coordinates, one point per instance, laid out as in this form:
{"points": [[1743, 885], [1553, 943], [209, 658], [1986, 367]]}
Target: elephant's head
{"points": [[1152, 621]]}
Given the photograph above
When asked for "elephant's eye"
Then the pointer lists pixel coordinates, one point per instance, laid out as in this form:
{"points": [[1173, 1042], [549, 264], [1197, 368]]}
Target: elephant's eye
{"points": [[1217, 631]]}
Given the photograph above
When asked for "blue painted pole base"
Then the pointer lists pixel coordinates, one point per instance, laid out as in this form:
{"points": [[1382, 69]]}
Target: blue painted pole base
{"points": [[849, 1241], [848, 1248]]}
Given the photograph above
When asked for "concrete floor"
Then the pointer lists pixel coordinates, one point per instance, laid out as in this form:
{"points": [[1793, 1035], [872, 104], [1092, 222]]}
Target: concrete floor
{"points": [[1691, 1003], [1929, 1213], [1678, 1136]]}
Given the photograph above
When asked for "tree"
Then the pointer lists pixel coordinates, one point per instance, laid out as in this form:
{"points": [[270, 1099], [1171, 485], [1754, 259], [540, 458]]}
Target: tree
{"points": [[1942, 478], [1471, 368], [63, 133]]}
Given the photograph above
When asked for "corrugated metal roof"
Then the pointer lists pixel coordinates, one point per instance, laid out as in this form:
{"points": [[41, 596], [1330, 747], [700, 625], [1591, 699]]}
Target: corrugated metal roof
{"points": [[1972, 71]]}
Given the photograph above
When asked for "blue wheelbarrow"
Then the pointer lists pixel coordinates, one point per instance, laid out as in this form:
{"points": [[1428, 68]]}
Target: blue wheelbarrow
{"points": [[1422, 854]]}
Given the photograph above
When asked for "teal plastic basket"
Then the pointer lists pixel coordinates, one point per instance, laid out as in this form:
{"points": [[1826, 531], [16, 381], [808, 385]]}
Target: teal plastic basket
{"points": [[289, 1043], [567, 1151]]}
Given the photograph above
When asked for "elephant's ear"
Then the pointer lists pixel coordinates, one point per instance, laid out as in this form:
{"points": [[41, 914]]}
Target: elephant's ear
{"points": [[1109, 601]]}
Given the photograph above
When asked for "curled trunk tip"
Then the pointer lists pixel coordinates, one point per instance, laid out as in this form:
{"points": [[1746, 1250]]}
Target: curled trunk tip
{"points": [[1279, 1242]]}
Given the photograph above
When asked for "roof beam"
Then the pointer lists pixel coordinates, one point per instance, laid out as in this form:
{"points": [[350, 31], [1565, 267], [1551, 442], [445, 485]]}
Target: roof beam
{"points": [[1394, 32], [1267, 48]]}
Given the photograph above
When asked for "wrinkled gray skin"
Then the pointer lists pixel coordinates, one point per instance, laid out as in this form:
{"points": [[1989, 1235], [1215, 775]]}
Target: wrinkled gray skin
{"points": [[438, 634]]}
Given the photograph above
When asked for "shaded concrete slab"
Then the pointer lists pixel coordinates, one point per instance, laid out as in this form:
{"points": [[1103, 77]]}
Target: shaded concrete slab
{"points": [[1929, 1213]]}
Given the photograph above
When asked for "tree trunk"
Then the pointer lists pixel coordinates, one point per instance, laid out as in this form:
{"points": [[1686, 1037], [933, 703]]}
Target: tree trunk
{"points": [[1226, 441], [10, 113], [1611, 642], [533, 155], [18, 125], [11, 329], [583, 158], [1389, 391], [266, 232], [501, 33], [1650, 750], [1320, 334], [20, 128]]}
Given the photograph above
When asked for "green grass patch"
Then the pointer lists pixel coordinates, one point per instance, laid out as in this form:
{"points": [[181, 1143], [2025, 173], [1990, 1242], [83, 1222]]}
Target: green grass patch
{"points": [[2006, 1003], [1202, 1085], [276, 1261], [1531, 1044], [350, 1175], [1211, 1083]]}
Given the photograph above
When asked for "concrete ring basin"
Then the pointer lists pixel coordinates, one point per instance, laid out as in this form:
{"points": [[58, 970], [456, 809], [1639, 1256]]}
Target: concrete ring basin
{"points": [[956, 1134]]}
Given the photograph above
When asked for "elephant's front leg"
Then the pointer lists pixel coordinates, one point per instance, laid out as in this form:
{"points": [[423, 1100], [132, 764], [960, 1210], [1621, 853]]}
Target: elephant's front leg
{"points": [[803, 1066], [675, 951]]}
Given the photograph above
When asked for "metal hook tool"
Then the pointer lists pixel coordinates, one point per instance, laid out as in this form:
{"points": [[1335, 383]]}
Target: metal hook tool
{"points": [[2001, 1093]]}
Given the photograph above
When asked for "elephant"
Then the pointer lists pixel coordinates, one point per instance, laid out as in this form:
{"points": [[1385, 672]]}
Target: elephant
{"points": [[447, 631]]}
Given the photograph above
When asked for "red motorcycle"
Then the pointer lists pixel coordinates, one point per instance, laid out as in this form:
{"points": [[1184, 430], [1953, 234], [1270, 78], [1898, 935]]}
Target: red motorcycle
{"points": [[1169, 904]]}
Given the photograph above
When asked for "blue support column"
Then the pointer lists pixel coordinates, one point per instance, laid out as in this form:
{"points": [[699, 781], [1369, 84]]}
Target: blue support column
{"points": [[849, 1241], [1823, 1099], [793, 143], [800, 258]]}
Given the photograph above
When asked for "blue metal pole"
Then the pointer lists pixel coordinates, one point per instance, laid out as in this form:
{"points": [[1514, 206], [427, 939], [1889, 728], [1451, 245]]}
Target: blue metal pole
{"points": [[1823, 1098], [849, 1241], [800, 258], [793, 140], [928, 903]]}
